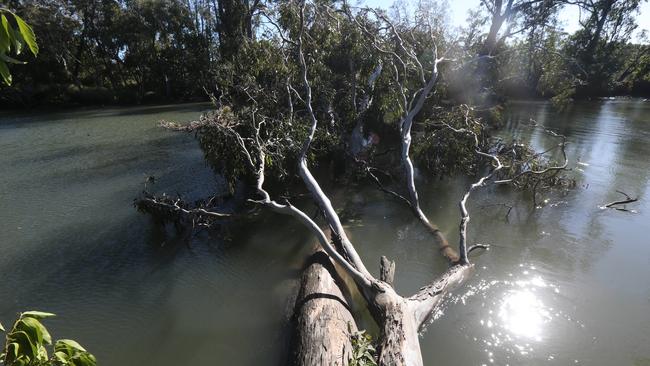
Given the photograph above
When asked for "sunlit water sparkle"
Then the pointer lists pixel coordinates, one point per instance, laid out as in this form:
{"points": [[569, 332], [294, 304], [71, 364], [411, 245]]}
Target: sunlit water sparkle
{"points": [[523, 314], [516, 315]]}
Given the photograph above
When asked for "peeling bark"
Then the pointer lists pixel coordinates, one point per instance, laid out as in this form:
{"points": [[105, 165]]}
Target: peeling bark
{"points": [[399, 339]]}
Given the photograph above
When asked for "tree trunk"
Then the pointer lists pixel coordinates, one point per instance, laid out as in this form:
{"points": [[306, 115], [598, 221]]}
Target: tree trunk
{"points": [[602, 19], [491, 40], [399, 339], [322, 319], [400, 319]]}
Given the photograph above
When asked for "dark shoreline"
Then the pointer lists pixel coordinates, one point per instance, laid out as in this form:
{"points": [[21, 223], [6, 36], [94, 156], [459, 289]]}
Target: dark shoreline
{"points": [[57, 108]]}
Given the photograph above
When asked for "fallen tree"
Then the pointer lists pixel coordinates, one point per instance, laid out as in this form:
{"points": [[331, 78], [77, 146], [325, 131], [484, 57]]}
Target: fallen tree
{"points": [[271, 127]]}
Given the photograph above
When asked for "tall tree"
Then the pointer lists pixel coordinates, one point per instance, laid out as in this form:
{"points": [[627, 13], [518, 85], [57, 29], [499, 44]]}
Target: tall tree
{"points": [[235, 25], [606, 27], [505, 19], [517, 15]]}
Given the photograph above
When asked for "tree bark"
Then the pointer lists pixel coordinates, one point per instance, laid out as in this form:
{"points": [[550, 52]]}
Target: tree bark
{"points": [[322, 321]]}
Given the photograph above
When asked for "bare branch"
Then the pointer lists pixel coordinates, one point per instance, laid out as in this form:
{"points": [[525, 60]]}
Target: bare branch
{"points": [[462, 246], [382, 188], [314, 188], [175, 210], [189, 212], [628, 199], [427, 298], [509, 207]]}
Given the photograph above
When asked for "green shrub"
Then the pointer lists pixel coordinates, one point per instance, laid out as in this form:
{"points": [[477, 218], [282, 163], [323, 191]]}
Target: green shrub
{"points": [[28, 340]]}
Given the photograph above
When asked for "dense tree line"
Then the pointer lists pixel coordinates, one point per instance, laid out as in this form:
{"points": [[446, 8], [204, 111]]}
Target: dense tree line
{"points": [[133, 51], [127, 51], [606, 56]]}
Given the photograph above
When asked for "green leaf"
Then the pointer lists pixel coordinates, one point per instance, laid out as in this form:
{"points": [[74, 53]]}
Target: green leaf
{"points": [[35, 329], [37, 314], [68, 345], [7, 27], [28, 34], [15, 347], [73, 353], [4, 72], [84, 359], [18, 43], [61, 357], [22, 341], [2, 328], [10, 60], [5, 41], [8, 36]]}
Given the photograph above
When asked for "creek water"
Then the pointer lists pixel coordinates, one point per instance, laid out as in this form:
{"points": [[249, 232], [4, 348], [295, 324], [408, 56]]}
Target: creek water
{"points": [[564, 283]]}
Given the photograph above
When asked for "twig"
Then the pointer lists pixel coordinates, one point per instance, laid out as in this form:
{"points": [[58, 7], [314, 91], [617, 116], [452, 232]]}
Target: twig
{"points": [[628, 199], [509, 207]]}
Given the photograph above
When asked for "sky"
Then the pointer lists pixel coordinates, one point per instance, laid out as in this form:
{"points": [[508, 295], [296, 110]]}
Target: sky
{"points": [[568, 16]]}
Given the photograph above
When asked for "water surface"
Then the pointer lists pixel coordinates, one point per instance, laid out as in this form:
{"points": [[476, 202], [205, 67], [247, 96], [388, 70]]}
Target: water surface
{"points": [[566, 283]]}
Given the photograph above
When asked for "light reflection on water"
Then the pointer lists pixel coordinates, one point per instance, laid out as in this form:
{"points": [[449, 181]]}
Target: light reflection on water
{"points": [[515, 318], [523, 314]]}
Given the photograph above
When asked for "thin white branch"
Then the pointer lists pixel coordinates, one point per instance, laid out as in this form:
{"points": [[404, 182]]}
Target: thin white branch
{"points": [[314, 188]]}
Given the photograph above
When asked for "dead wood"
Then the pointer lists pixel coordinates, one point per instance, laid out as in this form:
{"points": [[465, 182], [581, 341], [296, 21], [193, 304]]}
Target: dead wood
{"points": [[322, 321], [615, 204]]}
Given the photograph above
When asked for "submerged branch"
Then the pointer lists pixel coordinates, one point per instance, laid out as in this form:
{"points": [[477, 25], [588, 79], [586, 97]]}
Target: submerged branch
{"points": [[178, 211], [553, 170]]}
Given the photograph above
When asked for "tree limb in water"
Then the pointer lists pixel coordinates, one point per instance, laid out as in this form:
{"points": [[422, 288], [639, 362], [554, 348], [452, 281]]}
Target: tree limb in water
{"points": [[178, 211], [614, 204]]}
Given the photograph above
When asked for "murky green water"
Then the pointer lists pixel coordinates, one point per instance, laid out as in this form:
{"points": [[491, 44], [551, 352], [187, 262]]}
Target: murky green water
{"points": [[564, 284]]}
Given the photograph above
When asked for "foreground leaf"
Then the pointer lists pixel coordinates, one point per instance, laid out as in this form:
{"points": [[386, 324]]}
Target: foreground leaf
{"points": [[5, 37], [69, 352], [11, 60], [8, 30], [33, 326], [4, 72], [37, 314], [68, 345], [28, 34]]}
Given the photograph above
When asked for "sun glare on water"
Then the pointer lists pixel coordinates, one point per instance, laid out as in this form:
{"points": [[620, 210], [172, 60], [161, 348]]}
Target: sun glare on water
{"points": [[523, 314], [517, 316]]}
